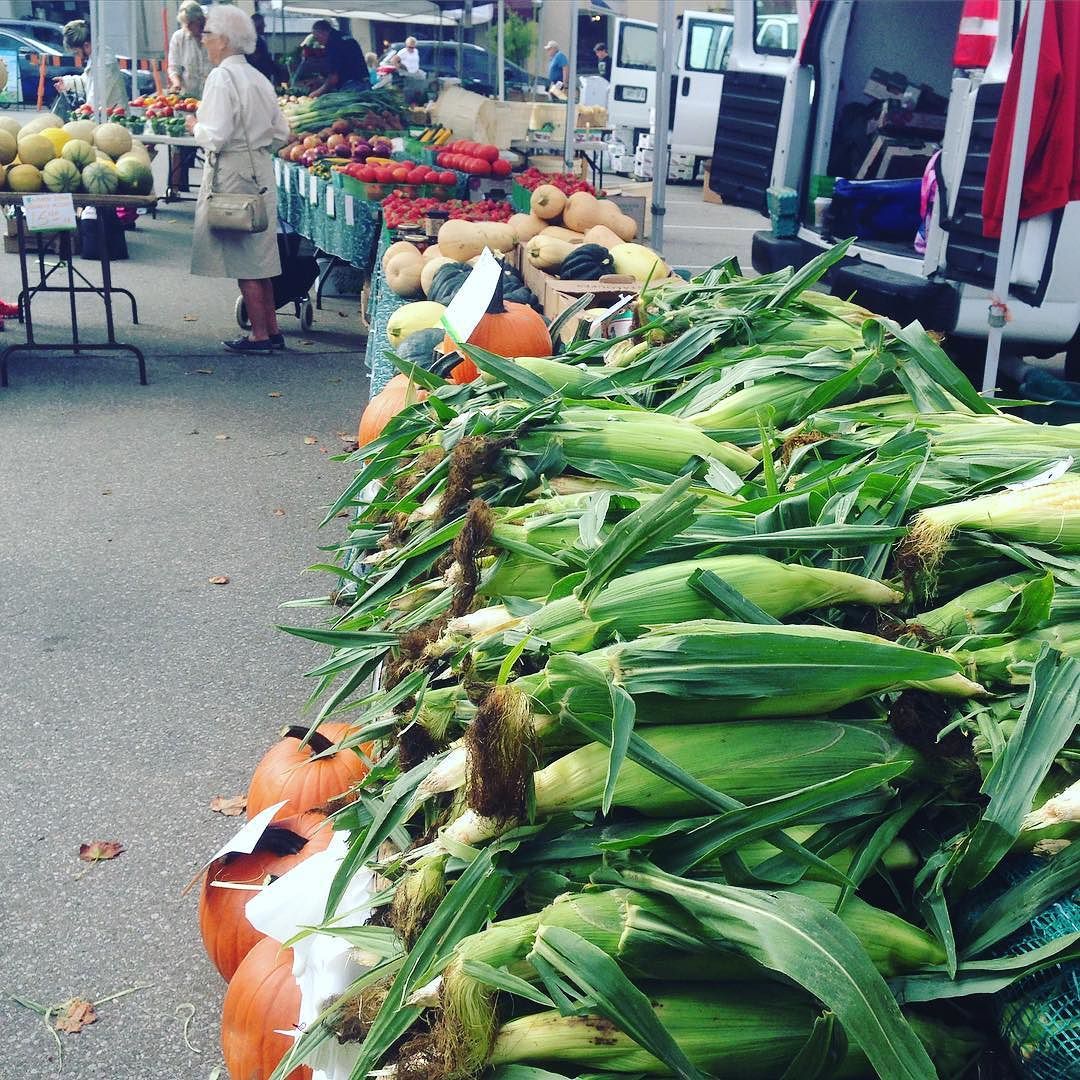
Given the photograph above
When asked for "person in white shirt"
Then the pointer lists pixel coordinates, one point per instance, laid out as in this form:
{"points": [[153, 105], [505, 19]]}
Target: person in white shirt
{"points": [[189, 63], [239, 123], [113, 91], [407, 59]]}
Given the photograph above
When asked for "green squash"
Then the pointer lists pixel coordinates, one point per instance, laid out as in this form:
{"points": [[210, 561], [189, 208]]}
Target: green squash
{"points": [[589, 262]]}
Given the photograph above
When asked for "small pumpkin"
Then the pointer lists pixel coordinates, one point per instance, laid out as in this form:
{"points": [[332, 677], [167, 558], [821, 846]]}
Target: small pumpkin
{"points": [[403, 273], [227, 935], [288, 770], [588, 262], [397, 248], [506, 329], [262, 999]]}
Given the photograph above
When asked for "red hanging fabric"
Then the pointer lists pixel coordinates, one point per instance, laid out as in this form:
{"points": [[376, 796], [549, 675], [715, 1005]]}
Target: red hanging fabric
{"points": [[977, 35], [1052, 164]]}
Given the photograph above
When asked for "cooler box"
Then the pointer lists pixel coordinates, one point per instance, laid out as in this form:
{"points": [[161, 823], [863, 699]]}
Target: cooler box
{"points": [[876, 209]]}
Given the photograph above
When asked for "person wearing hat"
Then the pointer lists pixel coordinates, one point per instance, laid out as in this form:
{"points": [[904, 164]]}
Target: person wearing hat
{"points": [[603, 61], [558, 66]]}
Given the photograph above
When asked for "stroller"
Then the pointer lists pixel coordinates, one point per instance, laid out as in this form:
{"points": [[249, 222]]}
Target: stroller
{"points": [[291, 286]]}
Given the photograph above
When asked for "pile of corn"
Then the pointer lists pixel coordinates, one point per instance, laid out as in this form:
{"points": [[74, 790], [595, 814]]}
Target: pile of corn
{"points": [[719, 675]]}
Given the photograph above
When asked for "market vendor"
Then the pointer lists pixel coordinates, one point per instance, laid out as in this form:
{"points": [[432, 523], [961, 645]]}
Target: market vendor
{"points": [[239, 123], [344, 59], [113, 91], [558, 66], [189, 63]]}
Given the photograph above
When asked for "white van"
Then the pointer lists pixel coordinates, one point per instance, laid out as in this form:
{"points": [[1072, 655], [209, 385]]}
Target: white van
{"points": [[697, 81], [792, 121]]}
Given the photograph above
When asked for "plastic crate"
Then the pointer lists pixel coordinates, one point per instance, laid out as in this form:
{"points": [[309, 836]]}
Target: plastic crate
{"points": [[1058, 400], [783, 203]]}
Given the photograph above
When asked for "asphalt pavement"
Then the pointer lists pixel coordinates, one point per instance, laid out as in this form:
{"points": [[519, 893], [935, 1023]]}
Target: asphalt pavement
{"points": [[132, 690]]}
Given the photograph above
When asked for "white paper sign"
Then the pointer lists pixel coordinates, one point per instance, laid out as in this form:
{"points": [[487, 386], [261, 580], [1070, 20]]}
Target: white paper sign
{"points": [[46, 213], [397, 145], [313, 189], [277, 171], [288, 178], [472, 299], [243, 843], [330, 211], [350, 210]]}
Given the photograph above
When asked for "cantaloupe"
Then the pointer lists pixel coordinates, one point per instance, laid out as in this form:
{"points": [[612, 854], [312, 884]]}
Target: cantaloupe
{"points": [[100, 178], [25, 178], [58, 137], [36, 150], [3, 177], [61, 175], [81, 129], [134, 175], [37, 124], [11, 126], [114, 139], [8, 148], [79, 153]]}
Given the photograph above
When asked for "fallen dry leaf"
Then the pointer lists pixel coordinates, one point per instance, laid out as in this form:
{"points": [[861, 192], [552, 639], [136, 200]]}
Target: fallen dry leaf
{"points": [[310, 440], [191, 318], [344, 513], [100, 850], [229, 805], [304, 342], [323, 450], [74, 1015], [274, 393], [107, 491], [202, 371], [221, 436], [221, 579], [279, 512], [351, 446]]}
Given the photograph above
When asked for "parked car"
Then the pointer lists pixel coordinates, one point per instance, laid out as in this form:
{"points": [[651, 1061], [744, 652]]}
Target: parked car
{"points": [[49, 33], [439, 60], [29, 71]]}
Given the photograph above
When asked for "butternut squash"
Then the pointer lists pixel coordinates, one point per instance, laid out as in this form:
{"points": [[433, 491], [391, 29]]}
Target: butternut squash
{"points": [[559, 233], [602, 235], [461, 240], [621, 224], [396, 249], [403, 273], [547, 202], [499, 236], [526, 226], [581, 212], [547, 252], [430, 269]]}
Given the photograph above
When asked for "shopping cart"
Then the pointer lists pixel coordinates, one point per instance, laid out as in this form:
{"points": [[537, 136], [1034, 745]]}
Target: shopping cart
{"points": [[292, 286]]}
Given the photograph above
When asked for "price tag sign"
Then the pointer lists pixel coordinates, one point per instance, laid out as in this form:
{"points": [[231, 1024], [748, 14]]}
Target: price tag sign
{"points": [[330, 208], [467, 308], [277, 171], [397, 145], [49, 213], [288, 177], [243, 842], [350, 210], [313, 191]]}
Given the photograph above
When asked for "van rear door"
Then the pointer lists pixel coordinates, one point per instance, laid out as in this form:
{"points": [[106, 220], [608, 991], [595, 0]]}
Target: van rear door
{"points": [[633, 79], [703, 56], [757, 107]]}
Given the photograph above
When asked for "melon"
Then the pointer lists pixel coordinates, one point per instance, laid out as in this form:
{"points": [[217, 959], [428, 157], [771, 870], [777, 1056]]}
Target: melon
{"points": [[8, 148], [79, 153], [80, 129], [100, 155], [3, 177], [10, 125], [37, 124], [24, 178], [61, 175], [114, 139], [99, 178], [57, 136], [138, 150], [134, 175], [36, 150]]}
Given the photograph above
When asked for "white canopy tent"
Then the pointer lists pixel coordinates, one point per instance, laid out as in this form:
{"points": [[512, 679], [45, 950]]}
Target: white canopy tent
{"points": [[423, 12]]}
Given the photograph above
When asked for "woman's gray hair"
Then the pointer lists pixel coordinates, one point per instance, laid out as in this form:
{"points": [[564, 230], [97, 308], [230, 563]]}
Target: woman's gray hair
{"points": [[234, 25], [76, 34]]}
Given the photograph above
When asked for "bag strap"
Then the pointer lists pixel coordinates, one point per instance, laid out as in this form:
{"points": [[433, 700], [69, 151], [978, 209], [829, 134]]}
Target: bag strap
{"points": [[243, 127]]}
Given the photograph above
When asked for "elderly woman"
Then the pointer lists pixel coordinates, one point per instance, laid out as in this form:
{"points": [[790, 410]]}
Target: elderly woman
{"points": [[189, 63], [238, 124]]}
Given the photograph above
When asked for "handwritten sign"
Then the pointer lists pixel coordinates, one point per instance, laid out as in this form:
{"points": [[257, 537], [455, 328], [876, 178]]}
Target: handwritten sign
{"points": [[350, 210], [49, 213], [277, 171], [330, 208], [313, 190]]}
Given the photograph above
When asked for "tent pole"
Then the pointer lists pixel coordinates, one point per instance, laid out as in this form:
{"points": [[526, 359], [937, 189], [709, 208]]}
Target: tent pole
{"points": [[133, 51], [571, 90], [502, 50], [96, 56], [1014, 186], [666, 44]]}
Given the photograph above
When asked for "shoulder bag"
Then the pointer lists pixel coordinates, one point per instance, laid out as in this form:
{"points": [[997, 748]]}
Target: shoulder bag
{"points": [[231, 212]]}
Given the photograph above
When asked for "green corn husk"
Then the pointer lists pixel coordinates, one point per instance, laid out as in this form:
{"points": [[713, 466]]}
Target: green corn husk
{"points": [[652, 440], [748, 671], [1011, 662], [663, 595], [961, 615], [734, 1030], [777, 400]]}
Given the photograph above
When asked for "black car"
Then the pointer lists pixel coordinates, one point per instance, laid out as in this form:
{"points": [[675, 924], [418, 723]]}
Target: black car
{"points": [[439, 59]]}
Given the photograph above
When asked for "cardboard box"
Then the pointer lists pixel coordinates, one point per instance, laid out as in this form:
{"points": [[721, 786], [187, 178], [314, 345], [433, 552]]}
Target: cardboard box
{"points": [[634, 200], [46, 242], [561, 294], [707, 193]]}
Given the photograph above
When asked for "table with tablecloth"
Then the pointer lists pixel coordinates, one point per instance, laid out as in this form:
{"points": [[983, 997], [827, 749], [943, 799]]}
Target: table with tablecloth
{"points": [[382, 304]]}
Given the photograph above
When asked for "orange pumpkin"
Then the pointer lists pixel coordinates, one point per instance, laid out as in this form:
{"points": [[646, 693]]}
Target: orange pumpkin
{"points": [[398, 393], [506, 329], [262, 999], [226, 932], [287, 771]]}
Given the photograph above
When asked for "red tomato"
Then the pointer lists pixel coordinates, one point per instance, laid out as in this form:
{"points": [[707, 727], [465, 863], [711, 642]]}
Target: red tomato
{"points": [[447, 178], [366, 173], [167, 110], [500, 167], [416, 176], [383, 174], [399, 174], [441, 157], [480, 167], [487, 152]]}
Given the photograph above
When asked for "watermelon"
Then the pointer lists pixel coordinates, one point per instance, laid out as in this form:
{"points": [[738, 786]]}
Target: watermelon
{"points": [[134, 175], [114, 139], [79, 153], [61, 175], [99, 178]]}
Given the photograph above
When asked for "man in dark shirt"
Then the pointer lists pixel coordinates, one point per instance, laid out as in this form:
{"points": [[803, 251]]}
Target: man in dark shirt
{"points": [[603, 60], [344, 59], [262, 59]]}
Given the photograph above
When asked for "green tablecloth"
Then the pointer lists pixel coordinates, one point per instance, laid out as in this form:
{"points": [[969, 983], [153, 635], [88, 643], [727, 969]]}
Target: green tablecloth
{"points": [[383, 303], [334, 222]]}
